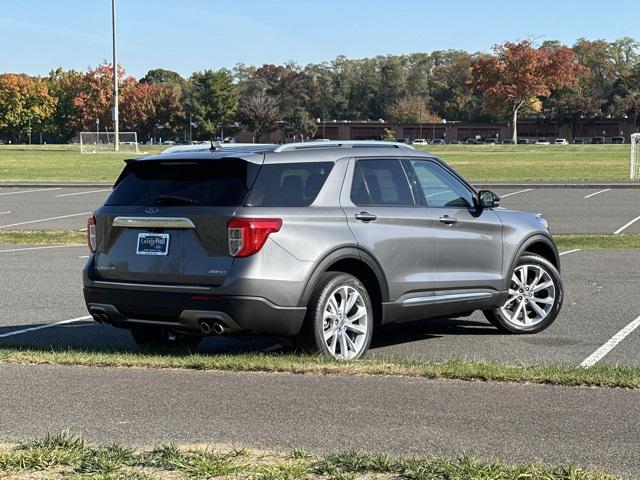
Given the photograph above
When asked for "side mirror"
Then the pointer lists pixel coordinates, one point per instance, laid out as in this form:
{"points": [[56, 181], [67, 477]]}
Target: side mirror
{"points": [[488, 199]]}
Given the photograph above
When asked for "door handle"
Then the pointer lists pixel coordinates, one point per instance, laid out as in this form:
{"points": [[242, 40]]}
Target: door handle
{"points": [[447, 220], [365, 217]]}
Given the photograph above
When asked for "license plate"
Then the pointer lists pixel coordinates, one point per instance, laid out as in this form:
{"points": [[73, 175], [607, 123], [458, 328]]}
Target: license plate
{"points": [[153, 244]]}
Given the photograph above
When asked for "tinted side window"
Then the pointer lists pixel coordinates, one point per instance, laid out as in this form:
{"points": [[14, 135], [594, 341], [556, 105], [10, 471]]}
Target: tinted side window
{"points": [[289, 184], [380, 182], [440, 188]]}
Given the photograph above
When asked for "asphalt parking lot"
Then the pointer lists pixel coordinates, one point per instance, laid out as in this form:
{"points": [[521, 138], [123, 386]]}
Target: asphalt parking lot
{"points": [[43, 286], [568, 210]]}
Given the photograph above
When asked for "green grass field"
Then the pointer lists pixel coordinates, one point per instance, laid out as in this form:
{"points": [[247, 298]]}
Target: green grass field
{"points": [[476, 162]]}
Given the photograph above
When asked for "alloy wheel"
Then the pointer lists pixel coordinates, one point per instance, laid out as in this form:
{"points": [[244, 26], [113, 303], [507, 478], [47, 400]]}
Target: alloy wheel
{"points": [[345, 323], [532, 295]]}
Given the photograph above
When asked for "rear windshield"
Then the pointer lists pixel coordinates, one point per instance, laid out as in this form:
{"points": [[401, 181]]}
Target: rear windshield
{"points": [[218, 183], [289, 184]]}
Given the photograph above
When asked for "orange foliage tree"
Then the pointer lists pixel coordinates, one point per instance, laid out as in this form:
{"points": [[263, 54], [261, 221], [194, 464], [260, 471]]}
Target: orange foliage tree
{"points": [[24, 101], [518, 74]]}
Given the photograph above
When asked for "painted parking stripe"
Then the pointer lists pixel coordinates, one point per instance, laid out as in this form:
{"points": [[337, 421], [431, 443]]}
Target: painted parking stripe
{"points": [[4, 213], [82, 193], [597, 193], [42, 327], [31, 191], [516, 193], [625, 226], [570, 251], [27, 249], [44, 220], [596, 356]]}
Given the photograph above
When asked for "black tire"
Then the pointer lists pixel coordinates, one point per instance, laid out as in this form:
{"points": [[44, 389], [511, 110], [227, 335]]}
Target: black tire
{"points": [[313, 332], [160, 339], [503, 323]]}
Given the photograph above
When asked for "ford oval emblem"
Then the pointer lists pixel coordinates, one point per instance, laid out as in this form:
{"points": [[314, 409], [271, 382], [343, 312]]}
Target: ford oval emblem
{"points": [[151, 210]]}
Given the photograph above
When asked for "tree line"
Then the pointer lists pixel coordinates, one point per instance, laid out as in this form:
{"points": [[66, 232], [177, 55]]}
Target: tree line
{"points": [[571, 85]]}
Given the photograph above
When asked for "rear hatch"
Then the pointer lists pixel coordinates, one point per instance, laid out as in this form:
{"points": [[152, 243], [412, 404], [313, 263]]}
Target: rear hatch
{"points": [[166, 221]]}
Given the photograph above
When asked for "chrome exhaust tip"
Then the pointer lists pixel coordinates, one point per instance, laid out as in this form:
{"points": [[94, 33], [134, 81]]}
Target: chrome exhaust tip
{"points": [[219, 329], [205, 328]]}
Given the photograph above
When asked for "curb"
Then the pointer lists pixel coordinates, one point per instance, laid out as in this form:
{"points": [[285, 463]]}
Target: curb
{"points": [[557, 185], [55, 184]]}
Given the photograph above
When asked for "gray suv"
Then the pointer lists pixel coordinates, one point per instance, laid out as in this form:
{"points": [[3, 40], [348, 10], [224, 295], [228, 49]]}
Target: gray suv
{"points": [[322, 242]]}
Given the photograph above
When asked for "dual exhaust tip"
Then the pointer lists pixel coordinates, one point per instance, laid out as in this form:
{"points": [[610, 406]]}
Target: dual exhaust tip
{"points": [[206, 327], [213, 328]]}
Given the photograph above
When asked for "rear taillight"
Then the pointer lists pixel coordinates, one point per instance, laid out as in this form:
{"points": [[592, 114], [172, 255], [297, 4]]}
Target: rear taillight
{"points": [[247, 235], [91, 233]]}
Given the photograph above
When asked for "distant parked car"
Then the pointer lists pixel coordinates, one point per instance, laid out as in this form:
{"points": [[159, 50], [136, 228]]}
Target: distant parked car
{"points": [[561, 141], [455, 142], [472, 141], [617, 140], [420, 141], [542, 141], [490, 141], [579, 141], [597, 140], [403, 140], [438, 141], [168, 142], [523, 141]]}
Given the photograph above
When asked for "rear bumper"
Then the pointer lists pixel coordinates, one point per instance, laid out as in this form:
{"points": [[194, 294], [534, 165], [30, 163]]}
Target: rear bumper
{"points": [[186, 311]]}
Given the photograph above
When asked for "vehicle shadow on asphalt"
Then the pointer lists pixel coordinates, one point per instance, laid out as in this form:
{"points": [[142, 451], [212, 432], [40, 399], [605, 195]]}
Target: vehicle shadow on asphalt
{"points": [[90, 337], [429, 329]]}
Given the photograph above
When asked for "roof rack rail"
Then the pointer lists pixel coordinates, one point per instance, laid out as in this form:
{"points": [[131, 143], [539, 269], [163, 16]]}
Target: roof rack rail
{"points": [[287, 147]]}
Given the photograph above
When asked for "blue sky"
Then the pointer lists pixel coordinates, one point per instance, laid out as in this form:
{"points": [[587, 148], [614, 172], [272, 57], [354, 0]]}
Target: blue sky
{"points": [[190, 35]]}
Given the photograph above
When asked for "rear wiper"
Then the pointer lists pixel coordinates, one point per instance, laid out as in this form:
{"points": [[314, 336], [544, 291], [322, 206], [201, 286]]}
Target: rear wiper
{"points": [[174, 200]]}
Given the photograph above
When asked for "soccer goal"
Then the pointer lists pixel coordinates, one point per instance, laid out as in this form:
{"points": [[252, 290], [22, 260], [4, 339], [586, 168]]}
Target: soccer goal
{"points": [[635, 156], [104, 142]]}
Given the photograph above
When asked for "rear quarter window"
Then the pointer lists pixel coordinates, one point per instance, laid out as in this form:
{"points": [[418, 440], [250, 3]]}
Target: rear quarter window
{"points": [[289, 184]]}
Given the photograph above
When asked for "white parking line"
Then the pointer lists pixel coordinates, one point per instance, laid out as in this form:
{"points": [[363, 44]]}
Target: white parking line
{"points": [[570, 251], [26, 249], [516, 193], [42, 327], [31, 191], [626, 225], [596, 356], [4, 213], [82, 193], [44, 220], [597, 193]]}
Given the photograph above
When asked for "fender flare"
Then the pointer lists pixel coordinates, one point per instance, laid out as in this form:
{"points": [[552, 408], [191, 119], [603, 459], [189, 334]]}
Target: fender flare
{"points": [[527, 242], [343, 253]]}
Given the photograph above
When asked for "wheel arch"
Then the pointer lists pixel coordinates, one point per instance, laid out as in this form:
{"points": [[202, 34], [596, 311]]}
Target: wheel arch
{"points": [[538, 244], [358, 263]]}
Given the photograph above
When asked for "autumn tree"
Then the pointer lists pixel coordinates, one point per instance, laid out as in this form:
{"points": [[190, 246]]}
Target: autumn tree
{"points": [[259, 113], [517, 75], [411, 109], [65, 86], [94, 100], [24, 102]]}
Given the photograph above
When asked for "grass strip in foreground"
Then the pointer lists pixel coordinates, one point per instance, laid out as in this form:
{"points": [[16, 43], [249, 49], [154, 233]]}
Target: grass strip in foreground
{"points": [[67, 456], [591, 242], [42, 237], [597, 376]]}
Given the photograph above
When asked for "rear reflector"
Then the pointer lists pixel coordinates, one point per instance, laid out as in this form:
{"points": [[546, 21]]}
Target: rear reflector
{"points": [[91, 234], [248, 235]]}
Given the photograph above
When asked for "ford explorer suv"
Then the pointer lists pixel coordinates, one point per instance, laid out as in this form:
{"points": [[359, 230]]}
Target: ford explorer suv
{"points": [[322, 242]]}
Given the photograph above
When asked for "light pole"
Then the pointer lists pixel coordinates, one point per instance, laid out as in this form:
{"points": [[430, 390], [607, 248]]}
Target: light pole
{"points": [[116, 127]]}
